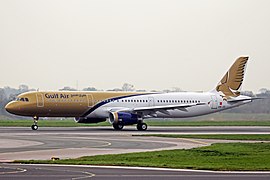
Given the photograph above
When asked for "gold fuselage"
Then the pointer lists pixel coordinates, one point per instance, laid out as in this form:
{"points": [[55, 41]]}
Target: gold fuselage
{"points": [[60, 103]]}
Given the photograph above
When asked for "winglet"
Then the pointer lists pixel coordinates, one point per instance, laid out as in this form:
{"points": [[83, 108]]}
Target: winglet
{"points": [[232, 81]]}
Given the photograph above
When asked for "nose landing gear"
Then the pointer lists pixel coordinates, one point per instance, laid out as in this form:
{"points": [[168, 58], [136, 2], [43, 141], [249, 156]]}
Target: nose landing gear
{"points": [[35, 126]]}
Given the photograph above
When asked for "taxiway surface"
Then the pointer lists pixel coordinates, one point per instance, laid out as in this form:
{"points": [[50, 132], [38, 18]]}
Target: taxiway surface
{"points": [[21, 143], [32, 172]]}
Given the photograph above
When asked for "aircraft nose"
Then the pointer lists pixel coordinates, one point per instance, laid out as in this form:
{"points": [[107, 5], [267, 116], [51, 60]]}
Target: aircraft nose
{"points": [[10, 107]]}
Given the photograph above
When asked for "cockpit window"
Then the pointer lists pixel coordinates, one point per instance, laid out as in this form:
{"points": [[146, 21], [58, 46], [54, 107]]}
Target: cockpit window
{"points": [[22, 99]]}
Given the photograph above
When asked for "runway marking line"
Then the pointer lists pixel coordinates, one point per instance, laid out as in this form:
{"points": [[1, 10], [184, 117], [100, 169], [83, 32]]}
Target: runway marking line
{"points": [[88, 174], [19, 170], [194, 141], [187, 139], [150, 168], [125, 140], [106, 143], [84, 177]]}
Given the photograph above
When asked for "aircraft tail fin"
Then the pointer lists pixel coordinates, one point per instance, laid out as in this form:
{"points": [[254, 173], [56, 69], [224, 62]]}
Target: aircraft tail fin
{"points": [[232, 81]]}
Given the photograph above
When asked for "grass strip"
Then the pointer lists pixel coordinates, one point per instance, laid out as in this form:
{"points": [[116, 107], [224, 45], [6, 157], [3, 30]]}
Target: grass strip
{"points": [[221, 157], [71, 123], [251, 137], [207, 123], [48, 123]]}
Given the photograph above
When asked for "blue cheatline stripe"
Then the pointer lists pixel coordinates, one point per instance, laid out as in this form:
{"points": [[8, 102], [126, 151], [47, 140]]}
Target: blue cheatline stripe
{"points": [[103, 102]]}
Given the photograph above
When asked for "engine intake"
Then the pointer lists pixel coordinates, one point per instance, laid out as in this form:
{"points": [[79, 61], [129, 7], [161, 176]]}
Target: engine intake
{"points": [[125, 118]]}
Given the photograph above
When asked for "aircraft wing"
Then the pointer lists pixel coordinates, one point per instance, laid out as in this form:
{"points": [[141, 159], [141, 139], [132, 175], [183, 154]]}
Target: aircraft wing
{"points": [[152, 110], [166, 107]]}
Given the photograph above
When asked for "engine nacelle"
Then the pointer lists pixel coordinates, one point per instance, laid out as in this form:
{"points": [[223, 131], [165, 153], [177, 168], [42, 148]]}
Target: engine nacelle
{"points": [[125, 118], [89, 120]]}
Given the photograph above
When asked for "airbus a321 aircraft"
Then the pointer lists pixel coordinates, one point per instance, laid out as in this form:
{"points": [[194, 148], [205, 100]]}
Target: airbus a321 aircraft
{"points": [[128, 108]]}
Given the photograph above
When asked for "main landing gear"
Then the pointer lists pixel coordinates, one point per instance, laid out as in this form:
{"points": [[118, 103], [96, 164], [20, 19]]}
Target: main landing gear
{"points": [[35, 126], [142, 126], [120, 125]]}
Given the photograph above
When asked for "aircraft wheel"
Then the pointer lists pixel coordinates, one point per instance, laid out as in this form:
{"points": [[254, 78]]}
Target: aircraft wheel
{"points": [[118, 126], [142, 126], [34, 127]]}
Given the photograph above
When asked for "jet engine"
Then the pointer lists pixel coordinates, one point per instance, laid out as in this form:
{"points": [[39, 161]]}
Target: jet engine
{"points": [[123, 117]]}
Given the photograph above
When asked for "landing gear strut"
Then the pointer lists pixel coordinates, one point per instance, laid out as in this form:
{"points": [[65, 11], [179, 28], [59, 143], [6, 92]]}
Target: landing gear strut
{"points": [[35, 126], [118, 126], [142, 126]]}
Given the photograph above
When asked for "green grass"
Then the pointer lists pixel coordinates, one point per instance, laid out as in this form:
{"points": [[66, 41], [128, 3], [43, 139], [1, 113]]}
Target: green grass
{"points": [[223, 157], [252, 137], [47, 123], [71, 123], [207, 123]]}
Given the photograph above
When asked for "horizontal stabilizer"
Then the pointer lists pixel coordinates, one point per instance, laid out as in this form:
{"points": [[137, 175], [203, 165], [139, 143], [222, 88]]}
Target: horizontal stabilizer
{"points": [[244, 99]]}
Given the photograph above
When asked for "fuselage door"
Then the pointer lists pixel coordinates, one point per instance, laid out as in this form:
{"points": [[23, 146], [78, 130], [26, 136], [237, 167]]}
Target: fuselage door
{"points": [[214, 103], [151, 101], [90, 100], [40, 100]]}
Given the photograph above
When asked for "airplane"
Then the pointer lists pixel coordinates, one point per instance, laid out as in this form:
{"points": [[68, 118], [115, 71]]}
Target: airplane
{"points": [[129, 108]]}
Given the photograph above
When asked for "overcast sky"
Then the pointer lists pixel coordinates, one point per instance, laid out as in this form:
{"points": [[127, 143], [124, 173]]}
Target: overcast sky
{"points": [[152, 44]]}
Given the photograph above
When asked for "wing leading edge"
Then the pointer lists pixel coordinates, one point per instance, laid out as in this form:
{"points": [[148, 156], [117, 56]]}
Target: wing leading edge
{"points": [[151, 110]]}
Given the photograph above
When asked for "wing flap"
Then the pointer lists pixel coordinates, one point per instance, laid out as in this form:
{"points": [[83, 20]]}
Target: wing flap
{"points": [[151, 110], [167, 107]]}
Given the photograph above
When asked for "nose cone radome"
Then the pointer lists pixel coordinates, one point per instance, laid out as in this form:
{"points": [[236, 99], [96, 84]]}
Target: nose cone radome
{"points": [[11, 107]]}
